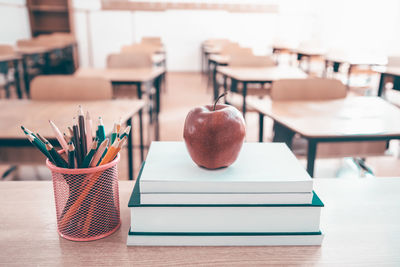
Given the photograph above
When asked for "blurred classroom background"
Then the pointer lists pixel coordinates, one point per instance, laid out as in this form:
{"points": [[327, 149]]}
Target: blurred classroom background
{"points": [[340, 116]]}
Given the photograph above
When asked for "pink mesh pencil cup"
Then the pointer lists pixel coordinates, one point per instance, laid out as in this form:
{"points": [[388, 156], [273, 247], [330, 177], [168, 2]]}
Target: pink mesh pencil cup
{"points": [[87, 201]]}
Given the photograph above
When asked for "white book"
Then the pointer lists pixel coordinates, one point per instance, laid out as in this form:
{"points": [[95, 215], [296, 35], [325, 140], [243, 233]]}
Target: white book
{"points": [[226, 198], [260, 168], [224, 239], [241, 218]]}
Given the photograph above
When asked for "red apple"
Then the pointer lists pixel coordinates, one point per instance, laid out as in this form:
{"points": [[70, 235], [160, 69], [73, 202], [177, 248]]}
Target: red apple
{"points": [[214, 135]]}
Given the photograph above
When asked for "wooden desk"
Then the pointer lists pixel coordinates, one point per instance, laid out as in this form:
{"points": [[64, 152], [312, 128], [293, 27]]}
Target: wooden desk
{"points": [[360, 222], [387, 72], [35, 115], [41, 55], [5, 62], [257, 75], [308, 54], [345, 120], [135, 76], [353, 61]]}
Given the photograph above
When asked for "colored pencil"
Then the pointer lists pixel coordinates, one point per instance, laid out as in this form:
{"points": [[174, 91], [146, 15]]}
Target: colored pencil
{"points": [[101, 133], [89, 156], [119, 124], [27, 131], [41, 138], [71, 155], [82, 131], [59, 136], [110, 153], [89, 131], [60, 162], [78, 152], [42, 149], [67, 138], [114, 134], [126, 132], [99, 153]]}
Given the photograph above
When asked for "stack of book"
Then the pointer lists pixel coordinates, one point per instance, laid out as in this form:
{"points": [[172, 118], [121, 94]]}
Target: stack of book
{"points": [[265, 198]]}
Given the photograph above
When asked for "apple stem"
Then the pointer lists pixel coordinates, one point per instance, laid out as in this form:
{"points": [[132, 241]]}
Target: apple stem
{"points": [[216, 101]]}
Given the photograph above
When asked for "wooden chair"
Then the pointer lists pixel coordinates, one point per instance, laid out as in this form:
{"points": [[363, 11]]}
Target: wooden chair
{"points": [[307, 89], [129, 60], [6, 49], [318, 89], [249, 61], [70, 88], [152, 40], [57, 88], [145, 48]]}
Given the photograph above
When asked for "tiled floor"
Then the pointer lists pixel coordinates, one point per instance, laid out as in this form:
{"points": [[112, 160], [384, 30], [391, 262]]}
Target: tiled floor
{"points": [[188, 90]]}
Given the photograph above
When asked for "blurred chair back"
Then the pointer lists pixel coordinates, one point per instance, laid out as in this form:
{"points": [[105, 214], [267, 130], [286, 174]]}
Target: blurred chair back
{"points": [[393, 61], [145, 48], [6, 50], [152, 40], [129, 60], [69, 87], [307, 89], [243, 61]]}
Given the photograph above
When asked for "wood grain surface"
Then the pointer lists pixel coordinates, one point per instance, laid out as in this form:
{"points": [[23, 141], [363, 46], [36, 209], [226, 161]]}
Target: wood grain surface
{"points": [[369, 116], [122, 75], [361, 222], [34, 115], [267, 74]]}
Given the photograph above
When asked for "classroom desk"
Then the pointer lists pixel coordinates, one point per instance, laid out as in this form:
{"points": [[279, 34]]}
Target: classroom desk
{"points": [[35, 115], [393, 72], [350, 119], [308, 54], [135, 76], [13, 60], [360, 221], [353, 61], [257, 76], [38, 53]]}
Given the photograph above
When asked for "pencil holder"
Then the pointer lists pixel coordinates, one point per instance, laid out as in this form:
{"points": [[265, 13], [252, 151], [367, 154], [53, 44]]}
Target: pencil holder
{"points": [[87, 201]]}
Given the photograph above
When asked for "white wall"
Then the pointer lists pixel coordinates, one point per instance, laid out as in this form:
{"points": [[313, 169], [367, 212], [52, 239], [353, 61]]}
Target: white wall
{"points": [[14, 21], [335, 24]]}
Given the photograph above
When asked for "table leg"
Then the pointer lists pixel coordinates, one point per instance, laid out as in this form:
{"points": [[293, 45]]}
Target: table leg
{"points": [[381, 84], [260, 127], [158, 108], [141, 135], [214, 82], [311, 154], [282, 134], [348, 76], [244, 93], [326, 69], [225, 89], [130, 150], [26, 75], [17, 78]]}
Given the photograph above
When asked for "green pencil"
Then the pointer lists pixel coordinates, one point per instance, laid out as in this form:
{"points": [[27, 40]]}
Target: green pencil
{"points": [[89, 156], [37, 143], [101, 134], [125, 133], [60, 162], [114, 133]]}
